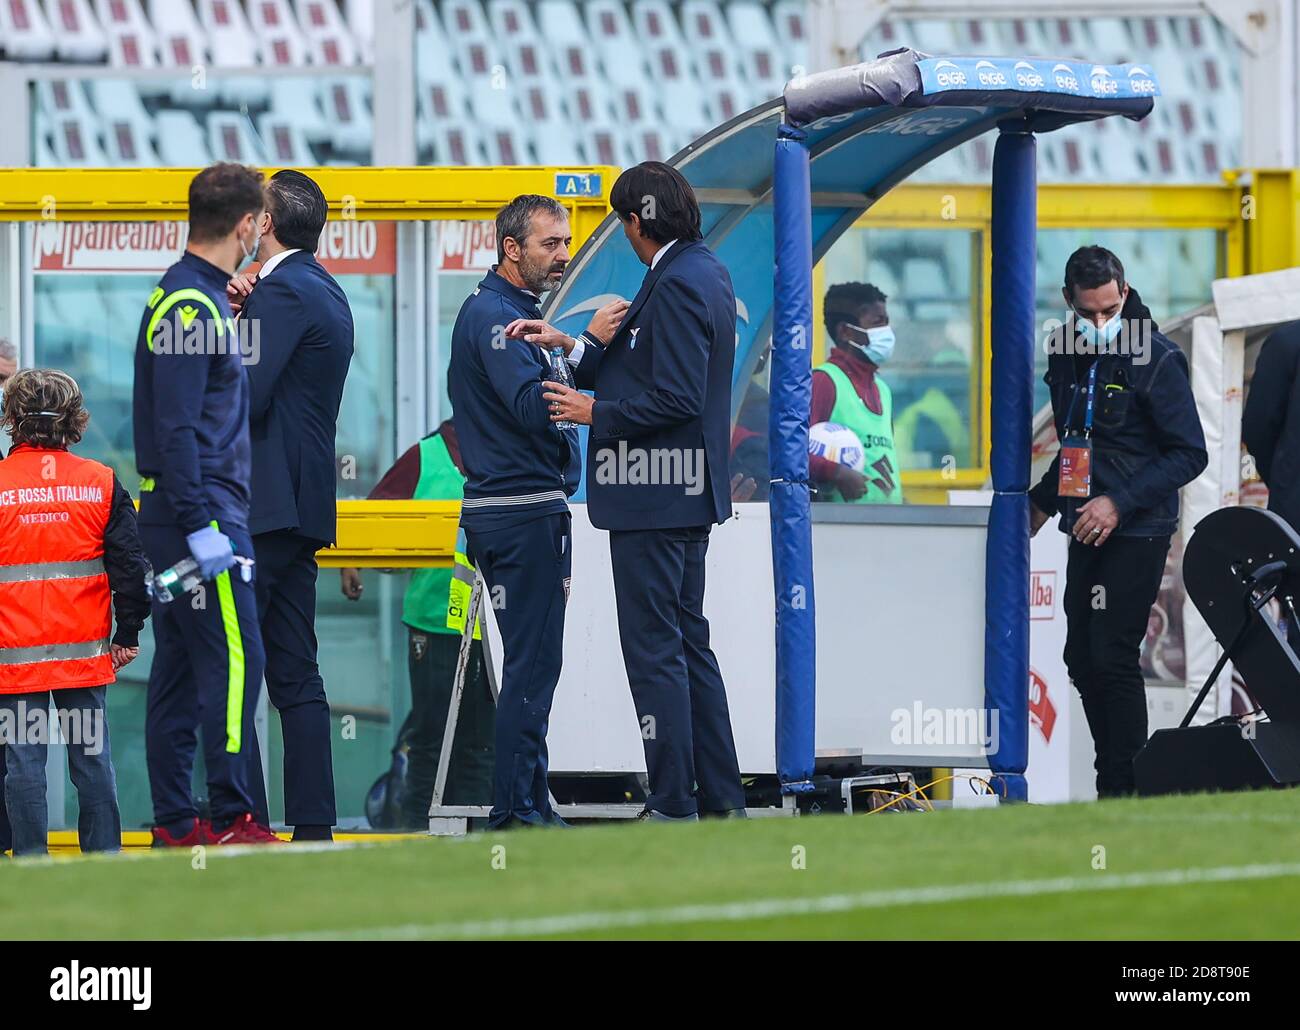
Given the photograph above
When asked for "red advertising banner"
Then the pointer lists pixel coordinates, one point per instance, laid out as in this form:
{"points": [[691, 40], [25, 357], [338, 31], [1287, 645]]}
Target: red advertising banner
{"points": [[347, 247]]}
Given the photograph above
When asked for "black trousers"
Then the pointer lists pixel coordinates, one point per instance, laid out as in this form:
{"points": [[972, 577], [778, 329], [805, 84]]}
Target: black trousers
{"points": [[432, 661], [677, 688], [1109, 591], [286, 608], [526, 568]]}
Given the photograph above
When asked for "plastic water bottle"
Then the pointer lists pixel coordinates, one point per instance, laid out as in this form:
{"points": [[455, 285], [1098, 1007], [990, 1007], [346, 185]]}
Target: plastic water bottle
{"points": [[184, 576], [181, 578], [560, 374]]}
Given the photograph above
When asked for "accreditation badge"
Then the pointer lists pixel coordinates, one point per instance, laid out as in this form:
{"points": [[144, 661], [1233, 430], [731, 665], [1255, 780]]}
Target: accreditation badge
{"points": [[1075, 479]]}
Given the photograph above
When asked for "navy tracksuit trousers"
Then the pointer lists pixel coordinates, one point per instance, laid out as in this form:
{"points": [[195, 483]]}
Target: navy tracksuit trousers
{"points": [[526, 568], [206, 674]]}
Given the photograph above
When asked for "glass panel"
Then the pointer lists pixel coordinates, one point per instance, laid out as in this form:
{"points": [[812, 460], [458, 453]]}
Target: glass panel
{"points": [[931, 278], [192, 120], [1171, 269]]}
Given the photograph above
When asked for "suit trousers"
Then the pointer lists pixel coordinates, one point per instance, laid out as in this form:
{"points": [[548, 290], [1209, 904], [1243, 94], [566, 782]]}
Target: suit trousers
{"points": [[286, 607], [676, 685]]}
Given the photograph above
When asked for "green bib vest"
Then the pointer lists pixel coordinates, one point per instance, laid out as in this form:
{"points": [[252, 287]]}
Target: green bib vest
{"points": [[431, 600], [884, 483]]}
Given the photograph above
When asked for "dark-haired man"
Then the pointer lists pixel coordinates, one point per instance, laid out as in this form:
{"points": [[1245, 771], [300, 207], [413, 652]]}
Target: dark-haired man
{"points": [[301, 319], [847, 390], [663, 395], [191, 447], [1130, 438], [520, 470]]}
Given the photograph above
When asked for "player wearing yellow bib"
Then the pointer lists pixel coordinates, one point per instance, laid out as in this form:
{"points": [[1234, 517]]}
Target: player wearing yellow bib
{"points": [[847, 390], [434, 612]]}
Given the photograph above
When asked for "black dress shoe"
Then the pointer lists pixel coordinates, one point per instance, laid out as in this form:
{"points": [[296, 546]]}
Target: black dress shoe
{"points": [[308, 832]]}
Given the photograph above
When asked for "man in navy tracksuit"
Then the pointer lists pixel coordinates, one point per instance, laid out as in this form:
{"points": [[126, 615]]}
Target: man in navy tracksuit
{"points": [[192, 450], [520, 471], [657, 479]]}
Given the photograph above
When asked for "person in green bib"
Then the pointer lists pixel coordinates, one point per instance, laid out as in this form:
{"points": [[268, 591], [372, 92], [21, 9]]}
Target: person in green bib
{"points": [[434, 612], [847, 390]]}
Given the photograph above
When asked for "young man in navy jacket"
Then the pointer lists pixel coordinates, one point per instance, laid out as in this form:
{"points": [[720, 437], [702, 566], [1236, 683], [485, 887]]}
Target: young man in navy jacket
{"points": [[657, 479], [520, 470]]}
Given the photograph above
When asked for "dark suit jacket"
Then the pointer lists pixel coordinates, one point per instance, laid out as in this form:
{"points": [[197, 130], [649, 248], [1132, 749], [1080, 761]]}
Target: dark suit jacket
{"points": [[661, 426], [297, 386]]}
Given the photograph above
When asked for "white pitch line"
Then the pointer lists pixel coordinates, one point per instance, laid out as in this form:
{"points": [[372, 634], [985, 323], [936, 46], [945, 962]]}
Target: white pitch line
{"points": [[746, 911]]}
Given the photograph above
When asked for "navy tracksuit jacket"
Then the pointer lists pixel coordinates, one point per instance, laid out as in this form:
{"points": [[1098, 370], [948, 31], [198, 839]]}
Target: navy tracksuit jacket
{"points": [[191, 399], [520, 471]]}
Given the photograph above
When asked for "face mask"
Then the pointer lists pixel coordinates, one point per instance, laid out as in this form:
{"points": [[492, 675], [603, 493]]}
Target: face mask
{"points": [[880, 343], [1099, 336], [250, 254]]}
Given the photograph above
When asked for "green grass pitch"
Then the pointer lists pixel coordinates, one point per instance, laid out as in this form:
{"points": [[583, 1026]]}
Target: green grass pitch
{"points": [[1183, 868]]}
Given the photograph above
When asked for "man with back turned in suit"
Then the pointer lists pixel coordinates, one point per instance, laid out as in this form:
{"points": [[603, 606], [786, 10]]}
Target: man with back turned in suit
{"points": [[657, 479], [305, 328]]}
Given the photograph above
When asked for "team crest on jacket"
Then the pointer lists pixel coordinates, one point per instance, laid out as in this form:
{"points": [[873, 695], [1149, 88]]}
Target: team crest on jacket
{"points": [[633, 331]]}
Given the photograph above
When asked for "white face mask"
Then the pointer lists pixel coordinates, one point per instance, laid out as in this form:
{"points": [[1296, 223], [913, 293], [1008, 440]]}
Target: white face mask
{"points": [[249, 255], [879, 345]]}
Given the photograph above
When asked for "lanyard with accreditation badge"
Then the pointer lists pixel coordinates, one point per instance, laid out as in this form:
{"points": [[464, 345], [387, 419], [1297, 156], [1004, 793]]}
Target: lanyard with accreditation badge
{"points": [[1075, 477]]}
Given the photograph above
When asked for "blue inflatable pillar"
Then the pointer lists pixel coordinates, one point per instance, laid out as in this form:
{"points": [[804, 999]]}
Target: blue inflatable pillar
{"points": [[791, 399], [1006, 574]]}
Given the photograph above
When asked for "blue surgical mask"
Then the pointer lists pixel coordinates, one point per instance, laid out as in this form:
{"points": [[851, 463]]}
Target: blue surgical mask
{"points": [[879, 345], [1099, 336], [250, 255]]}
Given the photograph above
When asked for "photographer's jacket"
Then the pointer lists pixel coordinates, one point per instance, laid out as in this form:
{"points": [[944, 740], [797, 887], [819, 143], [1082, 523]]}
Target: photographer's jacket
{"points": [[1147, 441]]}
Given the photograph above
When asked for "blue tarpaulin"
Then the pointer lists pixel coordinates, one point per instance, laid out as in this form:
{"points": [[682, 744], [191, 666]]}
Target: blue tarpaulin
{"points": [[857, 132]]}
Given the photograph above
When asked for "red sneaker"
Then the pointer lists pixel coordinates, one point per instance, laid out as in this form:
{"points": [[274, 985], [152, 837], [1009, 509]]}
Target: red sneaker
{"points": [[244, 831], [199, 833]]}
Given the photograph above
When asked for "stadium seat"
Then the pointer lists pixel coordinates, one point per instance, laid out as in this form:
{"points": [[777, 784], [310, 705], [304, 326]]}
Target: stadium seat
{"points": [[511, 20], [457, 144], [75, 142], [180, 140], [231, 43], [230, 138], [24, 33], [604, 145], [299, 98], [623, 57], [182, 43], [360, 17], [758, 52], [328, 37], [562, 27], [346, 102], [131, 40], [77, 35], [126, 143], [117, 101], [275, 31], [57, 97], [790, 23], [464, 19], [284, 141]]}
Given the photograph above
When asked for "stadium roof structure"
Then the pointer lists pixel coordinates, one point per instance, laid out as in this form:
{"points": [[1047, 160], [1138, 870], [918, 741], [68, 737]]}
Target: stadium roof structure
{"points": [[867, 128], [778, 186]]}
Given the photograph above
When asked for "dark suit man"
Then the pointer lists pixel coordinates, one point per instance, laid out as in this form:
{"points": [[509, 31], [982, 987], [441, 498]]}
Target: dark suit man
{"points": [[297, 380], [657, 479]]}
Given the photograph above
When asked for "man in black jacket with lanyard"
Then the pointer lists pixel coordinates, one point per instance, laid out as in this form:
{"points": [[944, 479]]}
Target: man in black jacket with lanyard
{"points": [[1130, 440], [657, 479]]}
